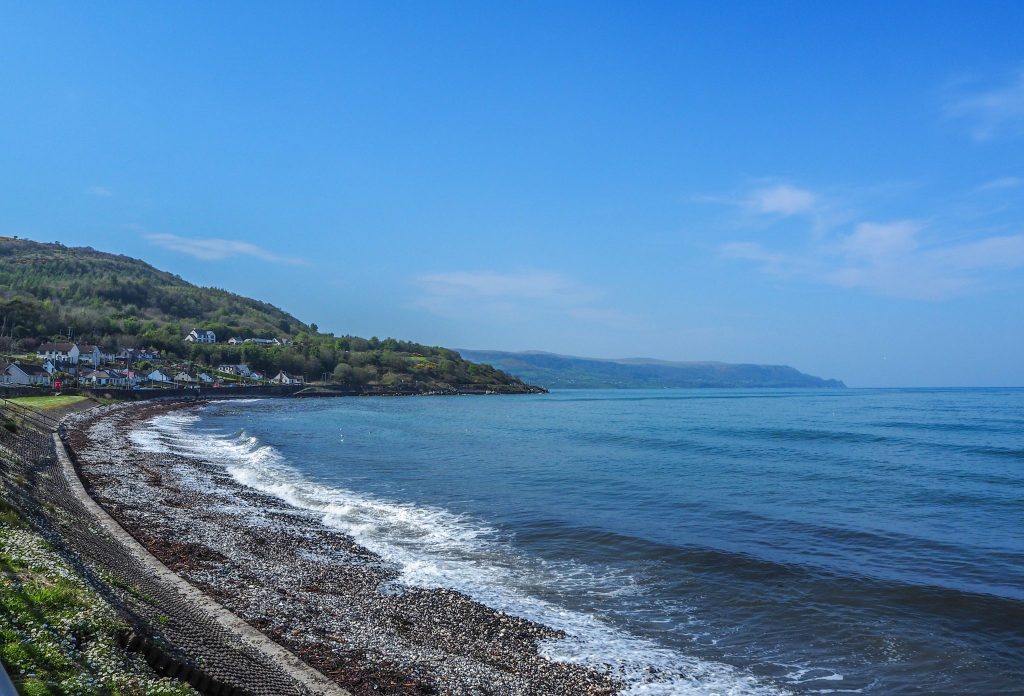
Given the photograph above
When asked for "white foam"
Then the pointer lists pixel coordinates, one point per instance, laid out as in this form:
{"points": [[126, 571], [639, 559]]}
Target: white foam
{"points": [[433, 547]]}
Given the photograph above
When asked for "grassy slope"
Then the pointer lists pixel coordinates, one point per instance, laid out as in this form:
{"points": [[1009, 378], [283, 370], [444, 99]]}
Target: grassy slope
{"points": [[48, 403], [57, 636]]}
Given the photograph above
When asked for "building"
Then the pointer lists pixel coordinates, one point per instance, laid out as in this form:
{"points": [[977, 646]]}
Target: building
{"points": [[158, 376], [28, 375], [59, 353], [130, 355], [283, 377], [184, 377], [197, 336], [89, 355], [104, 378]]}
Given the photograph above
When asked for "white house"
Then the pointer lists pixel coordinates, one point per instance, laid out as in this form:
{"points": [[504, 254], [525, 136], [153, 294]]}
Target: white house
{"points": [[204, 378], [104, 378], [28, 374], [58, 353], [184, 377], [263, 341], [49, 367], [197, 336], [158, 376], [283, 377], [235, 340], [5, 378], [89, 355]]}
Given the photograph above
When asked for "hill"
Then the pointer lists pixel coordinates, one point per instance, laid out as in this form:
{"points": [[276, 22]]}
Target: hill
{"points": [[568, 372], [120, 302]]}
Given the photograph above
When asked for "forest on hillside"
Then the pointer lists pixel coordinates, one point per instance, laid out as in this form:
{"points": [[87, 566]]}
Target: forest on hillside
{"points": [[51, 292]]}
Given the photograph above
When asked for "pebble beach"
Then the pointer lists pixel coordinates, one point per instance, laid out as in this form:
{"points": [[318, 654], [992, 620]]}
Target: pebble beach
{"points": [[312, 589]]}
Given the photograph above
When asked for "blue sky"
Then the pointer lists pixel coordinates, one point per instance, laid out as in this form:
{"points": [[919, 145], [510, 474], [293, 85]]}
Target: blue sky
{"points": [[841, 190]]}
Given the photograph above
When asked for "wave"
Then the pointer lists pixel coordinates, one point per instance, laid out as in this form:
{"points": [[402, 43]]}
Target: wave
{"points": [[433, 547]]}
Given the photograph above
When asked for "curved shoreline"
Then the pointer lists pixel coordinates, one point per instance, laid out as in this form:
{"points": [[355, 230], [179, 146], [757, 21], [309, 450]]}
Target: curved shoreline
{"points": [[302, 673], [310, 588]]}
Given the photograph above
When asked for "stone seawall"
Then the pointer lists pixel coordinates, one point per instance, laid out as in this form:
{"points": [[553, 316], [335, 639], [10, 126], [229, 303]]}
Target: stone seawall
{"points": [[179, 631]]}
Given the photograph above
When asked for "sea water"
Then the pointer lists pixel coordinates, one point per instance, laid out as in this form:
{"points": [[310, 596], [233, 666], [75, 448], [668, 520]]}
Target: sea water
{"points": [[689, 541]]}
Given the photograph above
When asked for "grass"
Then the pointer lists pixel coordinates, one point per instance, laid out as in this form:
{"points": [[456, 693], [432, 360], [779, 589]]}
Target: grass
{"points": [[57, 636], [47, 403]]}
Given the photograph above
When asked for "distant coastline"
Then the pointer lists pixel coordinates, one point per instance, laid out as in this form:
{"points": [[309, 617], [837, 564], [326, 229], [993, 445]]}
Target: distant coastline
{"points": [[554, 371]]}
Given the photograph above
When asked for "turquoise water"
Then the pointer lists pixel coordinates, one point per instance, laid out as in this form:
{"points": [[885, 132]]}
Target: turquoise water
{"points": [[705, 541]]}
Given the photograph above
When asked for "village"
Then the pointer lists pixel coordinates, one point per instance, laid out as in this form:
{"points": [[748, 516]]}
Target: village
{"points": [[76, 364]]}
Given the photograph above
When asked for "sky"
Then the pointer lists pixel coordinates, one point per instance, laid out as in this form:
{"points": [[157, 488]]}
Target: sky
{"points": [[840, 189]]}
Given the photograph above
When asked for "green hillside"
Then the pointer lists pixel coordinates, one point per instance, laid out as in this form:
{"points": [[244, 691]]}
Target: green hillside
{"points": [[120, 302], [568, 372]]}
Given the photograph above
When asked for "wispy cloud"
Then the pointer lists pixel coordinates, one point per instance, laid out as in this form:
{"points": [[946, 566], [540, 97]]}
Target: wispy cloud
{"points": [[513, 296], [781, 199], [872, 240], [99, 191], [1002, 184], [890, 259], [521, 285], [993, 111], [217, 249]]}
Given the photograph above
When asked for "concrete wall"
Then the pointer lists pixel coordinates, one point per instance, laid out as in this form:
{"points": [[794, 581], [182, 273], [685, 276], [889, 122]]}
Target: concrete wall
{"points": [[143, 394]]}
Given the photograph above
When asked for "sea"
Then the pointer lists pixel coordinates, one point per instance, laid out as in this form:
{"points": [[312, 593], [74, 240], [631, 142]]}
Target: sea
{"points": [[865, 541]]}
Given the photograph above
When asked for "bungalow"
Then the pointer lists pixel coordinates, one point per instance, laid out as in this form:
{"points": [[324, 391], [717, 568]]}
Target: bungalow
{"points": [[283, 377], [197, 336], [28, 374], [49, 367], [59, 353], [158, 376], [89, 355], [104, 378], [5, 378], [235, 340], [256, 376], [205, 378], [184, 377]]}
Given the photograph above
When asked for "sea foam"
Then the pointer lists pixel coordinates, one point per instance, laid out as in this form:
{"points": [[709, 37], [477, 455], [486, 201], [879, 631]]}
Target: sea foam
{"points": [[433, 547]]}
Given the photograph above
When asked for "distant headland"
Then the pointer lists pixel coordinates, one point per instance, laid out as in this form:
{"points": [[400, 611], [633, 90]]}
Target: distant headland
{"points": [[554, 371]]}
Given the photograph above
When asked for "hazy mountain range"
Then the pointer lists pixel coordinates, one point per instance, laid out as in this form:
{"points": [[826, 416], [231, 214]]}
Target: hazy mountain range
{"points": [[570, 372]]}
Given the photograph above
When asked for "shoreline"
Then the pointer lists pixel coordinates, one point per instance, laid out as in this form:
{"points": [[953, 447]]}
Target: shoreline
{"points": [[306, 586]]}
